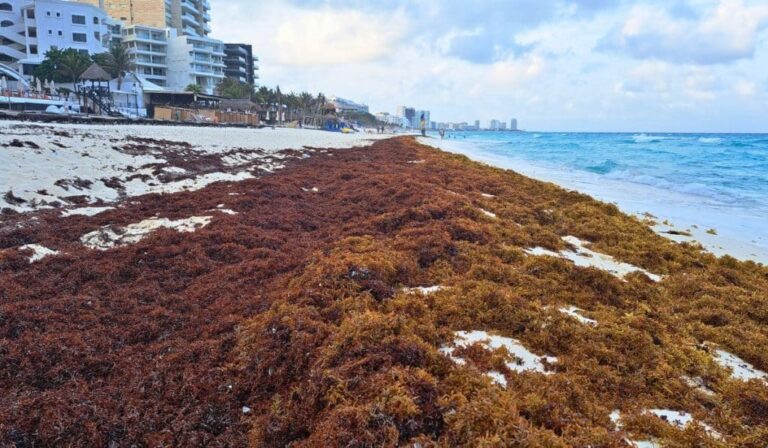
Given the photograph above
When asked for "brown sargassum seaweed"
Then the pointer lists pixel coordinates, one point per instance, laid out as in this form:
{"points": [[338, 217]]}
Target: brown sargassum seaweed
{"points": [[295, 309]]}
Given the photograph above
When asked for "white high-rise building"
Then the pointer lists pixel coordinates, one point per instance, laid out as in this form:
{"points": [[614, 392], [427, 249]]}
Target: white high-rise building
{"points": [[195, 60], [513, 124], [30, 28], [148, 48]]}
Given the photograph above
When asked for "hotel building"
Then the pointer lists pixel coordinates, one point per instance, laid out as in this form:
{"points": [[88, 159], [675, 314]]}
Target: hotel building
{"points": [[28, 29]]}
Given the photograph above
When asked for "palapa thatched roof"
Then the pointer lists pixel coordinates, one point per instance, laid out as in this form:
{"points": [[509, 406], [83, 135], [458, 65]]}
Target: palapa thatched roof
{"points": [[95, 73], [240, 105]]}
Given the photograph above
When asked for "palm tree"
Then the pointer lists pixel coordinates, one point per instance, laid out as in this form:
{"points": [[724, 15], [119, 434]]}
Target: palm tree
{"points": [[197, 89], [117, 61], [72, 64]]}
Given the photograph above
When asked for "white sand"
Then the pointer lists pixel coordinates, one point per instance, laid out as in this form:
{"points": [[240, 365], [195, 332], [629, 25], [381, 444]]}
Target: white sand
{"points": [[424, 290], [88, 155], [488, 214], [678, 419], [740, 369], [107, 237], [575, 313], [524, 360], [38, 252], [585, 257], [85, 211], [698, 384]]}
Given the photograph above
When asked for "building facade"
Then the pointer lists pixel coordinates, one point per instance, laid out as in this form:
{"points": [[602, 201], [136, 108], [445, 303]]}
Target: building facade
{"points": [[513, 124], [392, 120], [148, 48], [344, 105], [240, 63], [29, 29], [190, 17], [194, 60]]}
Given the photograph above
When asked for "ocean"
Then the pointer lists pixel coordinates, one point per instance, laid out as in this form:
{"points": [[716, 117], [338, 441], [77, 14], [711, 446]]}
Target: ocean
{"points": [[696, 182]]}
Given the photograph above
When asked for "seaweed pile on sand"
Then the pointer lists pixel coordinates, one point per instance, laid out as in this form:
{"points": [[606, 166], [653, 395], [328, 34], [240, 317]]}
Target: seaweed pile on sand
{"points": [[357, 298]]}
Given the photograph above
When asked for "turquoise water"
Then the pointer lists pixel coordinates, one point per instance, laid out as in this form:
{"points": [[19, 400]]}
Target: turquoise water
{"points": [[723, 169], [717, 181]]}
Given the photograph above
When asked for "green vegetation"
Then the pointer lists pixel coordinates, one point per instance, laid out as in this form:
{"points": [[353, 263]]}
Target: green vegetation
{"points": [[231, 88], [63, 65], [194, 88], [117, 62]]}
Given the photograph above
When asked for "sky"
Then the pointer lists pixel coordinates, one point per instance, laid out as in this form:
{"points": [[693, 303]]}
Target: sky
{"points": [[559, 65]]}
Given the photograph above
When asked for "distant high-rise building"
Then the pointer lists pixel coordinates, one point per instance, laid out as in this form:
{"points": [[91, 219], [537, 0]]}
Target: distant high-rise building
{"points": [[410, 116], [502, 125], [493, 125], [513, 124], [477, 124], [241, 63]]}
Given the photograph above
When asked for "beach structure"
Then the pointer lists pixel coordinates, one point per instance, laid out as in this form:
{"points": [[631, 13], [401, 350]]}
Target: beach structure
{"points": [[94, 93], [241, 64], [32, 28]]}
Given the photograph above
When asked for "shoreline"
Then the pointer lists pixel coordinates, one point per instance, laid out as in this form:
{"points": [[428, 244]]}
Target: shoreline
{"points": [[681, 215], [388, 295]]}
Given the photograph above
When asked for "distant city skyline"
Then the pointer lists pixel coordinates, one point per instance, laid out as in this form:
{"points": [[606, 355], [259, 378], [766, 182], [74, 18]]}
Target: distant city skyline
{"points": [[639, 65]]}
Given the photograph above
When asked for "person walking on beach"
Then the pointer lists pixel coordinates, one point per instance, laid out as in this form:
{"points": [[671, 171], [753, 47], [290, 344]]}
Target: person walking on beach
{"points": [[423, 125]]}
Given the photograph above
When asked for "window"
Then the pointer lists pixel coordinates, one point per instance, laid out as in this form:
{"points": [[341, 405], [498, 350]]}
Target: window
{"points": [[58, 14], [61, 33], [30, 13], [6, 7], [48, 13], [50, 32], [97, 35], [6, 23], [84, 52], [78, 20], [33, 49], [79, 37], [32, 32], [95, 20]]}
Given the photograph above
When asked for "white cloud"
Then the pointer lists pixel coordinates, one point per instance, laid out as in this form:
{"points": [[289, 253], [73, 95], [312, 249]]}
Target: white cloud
{"points": [[399, 52], [745, 88], [327, 37], [514, 73], [725, 33]]}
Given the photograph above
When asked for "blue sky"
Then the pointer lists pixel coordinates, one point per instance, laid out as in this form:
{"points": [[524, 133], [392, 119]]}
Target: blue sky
{"points": [[571, 65]]}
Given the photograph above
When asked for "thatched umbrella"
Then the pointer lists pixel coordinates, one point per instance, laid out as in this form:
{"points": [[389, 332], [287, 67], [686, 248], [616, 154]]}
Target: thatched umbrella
{"points": [[95, 73]]}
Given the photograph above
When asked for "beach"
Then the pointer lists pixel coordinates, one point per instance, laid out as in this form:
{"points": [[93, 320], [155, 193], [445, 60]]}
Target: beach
{"points": [[233, 287]]}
